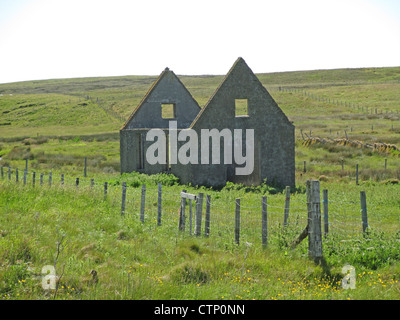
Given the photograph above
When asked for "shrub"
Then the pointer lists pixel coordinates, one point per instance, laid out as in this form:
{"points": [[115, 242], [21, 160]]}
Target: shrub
{"points": [[189, 272], [19, 153], [136, 179]]}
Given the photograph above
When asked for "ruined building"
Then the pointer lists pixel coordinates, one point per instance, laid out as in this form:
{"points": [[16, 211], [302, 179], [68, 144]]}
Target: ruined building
{"points": [[240, 102]]}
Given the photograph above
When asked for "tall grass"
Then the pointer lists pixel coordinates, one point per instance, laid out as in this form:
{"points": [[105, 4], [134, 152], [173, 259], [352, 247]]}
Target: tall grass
{"points": [[99, 254], [135, 260]]}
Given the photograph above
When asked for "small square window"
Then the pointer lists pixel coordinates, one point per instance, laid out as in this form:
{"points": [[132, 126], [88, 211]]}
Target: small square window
{"points": [[168, 111], [241, 109]]}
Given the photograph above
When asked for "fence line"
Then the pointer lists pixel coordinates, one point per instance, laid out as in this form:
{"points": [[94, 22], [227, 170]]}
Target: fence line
{"points": [[234, 221], [338, 102]]}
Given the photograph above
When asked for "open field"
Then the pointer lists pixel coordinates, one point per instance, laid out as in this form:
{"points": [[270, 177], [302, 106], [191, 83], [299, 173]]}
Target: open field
{"points": [[55, 124]]}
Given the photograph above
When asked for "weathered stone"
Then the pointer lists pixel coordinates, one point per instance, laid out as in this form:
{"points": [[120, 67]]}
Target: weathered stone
{"points": [[274, 156]]}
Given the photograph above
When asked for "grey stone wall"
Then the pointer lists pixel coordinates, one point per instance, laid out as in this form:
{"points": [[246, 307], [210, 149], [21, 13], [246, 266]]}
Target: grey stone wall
{"points": [[274, 133], [168, 89]]}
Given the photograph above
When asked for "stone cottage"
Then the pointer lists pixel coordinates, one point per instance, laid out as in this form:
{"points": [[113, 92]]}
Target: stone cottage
{"points": [[240, 104]]}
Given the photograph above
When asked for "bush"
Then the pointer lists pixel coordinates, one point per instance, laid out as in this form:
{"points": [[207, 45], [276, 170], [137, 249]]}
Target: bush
{"points": [[136, 179], [19, 153], [190, 273]]}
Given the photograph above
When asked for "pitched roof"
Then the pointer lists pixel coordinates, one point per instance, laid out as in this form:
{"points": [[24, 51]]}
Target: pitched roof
{"points": [[151, 89]]}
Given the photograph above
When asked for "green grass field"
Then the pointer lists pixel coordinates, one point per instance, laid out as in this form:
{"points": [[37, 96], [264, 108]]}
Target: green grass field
{"points": [[55, 124]]}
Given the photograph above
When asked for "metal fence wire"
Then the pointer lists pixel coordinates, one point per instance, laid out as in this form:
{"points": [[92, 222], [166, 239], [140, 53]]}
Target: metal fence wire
{"points": [[271, 221]]}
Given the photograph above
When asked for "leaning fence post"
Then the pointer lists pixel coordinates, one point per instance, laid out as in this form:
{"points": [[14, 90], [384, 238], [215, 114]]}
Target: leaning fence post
{"points": [[198, 213], [264, 222], [287, 204], [325, 210], [237, 221], [142, 203], [314, 220], [364, 216], [207, 222], [159, 204], [123, 198]]}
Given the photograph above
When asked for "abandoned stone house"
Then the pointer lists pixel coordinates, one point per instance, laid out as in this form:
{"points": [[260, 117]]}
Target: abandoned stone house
{"points": [[240, 102]]}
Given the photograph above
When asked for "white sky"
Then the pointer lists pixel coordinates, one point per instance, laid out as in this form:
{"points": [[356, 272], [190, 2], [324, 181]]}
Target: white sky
{"points": [[45, 39]]}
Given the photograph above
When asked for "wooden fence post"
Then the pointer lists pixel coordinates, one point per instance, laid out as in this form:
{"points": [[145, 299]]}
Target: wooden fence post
{"points": [[2, 172], [26, 165], [207, 222], [50, 178], [62, 179], [77, 183], [25, 173], [181, 225], [16, 175], [190, 216], [325, 210], [357, 174], [237, 221], [305, 164], [41, 178], [264, 222], [287, 205], [364, 215], [33, 178], [123, 199], [85, 170], [105, 190], [9, 173], [314, 220], [198, 213], [142, 203], [159, 201]]}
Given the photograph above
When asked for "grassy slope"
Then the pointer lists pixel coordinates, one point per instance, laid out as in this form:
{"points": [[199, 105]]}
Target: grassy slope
{"points": [[90, 106], [143, 261], [139, 261]]}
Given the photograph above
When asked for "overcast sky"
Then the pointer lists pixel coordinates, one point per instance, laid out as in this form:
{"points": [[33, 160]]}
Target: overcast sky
{"points": [[46, 39]]}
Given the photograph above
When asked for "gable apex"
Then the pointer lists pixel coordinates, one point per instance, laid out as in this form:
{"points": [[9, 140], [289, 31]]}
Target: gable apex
{"points": [[238, 83], [167, 74]]}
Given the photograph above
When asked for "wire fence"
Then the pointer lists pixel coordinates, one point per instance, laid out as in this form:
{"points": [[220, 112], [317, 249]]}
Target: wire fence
{"points": [[356, 107], [224, 219]]}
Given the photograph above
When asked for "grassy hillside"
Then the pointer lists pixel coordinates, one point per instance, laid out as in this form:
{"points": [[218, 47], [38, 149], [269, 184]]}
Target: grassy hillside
{"points": [[55, 124], [363, 104]]}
